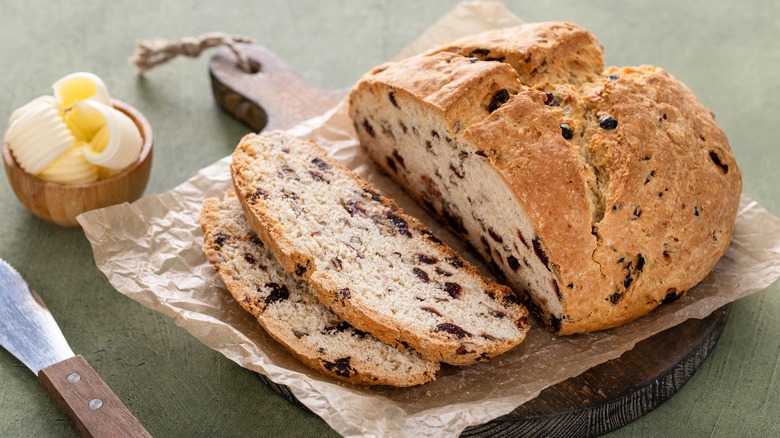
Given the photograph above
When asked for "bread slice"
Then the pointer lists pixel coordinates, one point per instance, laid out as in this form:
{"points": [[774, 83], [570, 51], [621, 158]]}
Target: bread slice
{"points": [[291, 314], [374, 266], [598, 193]]}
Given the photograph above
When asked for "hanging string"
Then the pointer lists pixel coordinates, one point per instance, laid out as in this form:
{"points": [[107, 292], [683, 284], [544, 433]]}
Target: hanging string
{"points": [[149, 54]]}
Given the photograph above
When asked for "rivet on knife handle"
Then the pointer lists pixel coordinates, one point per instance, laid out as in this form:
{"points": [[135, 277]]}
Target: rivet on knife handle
{"points": [[87, 401]]}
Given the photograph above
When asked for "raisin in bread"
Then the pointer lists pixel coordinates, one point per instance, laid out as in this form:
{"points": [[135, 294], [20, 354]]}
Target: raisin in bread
{"points": [[291, 314], [374, 266], [598, 193]]}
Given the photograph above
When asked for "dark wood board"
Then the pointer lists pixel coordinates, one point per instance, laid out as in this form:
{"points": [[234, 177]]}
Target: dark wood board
{"points": [[604, 398]]}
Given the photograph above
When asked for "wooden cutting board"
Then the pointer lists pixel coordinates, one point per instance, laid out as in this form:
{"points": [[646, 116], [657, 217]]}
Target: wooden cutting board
{"points": [[604, 398]]}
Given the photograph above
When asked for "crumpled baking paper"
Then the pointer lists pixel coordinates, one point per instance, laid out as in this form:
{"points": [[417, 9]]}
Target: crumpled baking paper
{"points": [[151, 251]]}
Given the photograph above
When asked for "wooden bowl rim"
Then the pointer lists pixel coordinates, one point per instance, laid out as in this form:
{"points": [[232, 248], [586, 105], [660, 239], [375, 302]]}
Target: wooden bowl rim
{"points": [[146, 134]]}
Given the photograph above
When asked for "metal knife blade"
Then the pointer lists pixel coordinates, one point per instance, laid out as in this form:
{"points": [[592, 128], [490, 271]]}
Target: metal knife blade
{"points": [[29, 332], [27, 328]]}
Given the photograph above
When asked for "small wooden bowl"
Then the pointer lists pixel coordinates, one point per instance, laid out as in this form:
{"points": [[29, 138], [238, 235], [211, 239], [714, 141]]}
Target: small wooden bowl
{"points": [[61, 203]]}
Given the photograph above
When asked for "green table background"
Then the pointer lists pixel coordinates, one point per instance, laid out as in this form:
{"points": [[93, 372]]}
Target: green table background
{"points": [[728, 53]]}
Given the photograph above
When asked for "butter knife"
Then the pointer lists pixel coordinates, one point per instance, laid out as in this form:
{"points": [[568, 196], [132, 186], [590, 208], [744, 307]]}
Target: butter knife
{"points": [[29, 332]]}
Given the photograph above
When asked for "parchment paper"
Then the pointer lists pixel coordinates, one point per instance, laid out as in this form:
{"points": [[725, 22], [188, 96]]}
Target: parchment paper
{"points": [[151, 251]]}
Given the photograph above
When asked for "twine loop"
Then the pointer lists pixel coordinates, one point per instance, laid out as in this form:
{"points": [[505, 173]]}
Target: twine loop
{"points": [[149, 54]]}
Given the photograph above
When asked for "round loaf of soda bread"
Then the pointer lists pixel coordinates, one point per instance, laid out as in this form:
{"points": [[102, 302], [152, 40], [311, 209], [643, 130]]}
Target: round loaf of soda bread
{"points": [[595, 193]]}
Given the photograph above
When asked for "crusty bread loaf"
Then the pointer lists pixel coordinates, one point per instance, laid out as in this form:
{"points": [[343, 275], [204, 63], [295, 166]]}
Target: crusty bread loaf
{"points": [[598, 193], [291, 314], [374, 266]]}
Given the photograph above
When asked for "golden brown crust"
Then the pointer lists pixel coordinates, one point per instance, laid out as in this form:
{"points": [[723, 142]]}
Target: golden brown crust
{"points": [[460, 88], [549, 52], [559, 208]]}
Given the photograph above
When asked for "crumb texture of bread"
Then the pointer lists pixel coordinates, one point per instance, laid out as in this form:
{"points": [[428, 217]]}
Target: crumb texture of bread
{"points": [[376, 267], [288, 310], [596, 193]]}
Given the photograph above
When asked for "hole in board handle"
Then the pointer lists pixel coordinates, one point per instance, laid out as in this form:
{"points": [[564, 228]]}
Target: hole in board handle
{"points": [[255, 67]]}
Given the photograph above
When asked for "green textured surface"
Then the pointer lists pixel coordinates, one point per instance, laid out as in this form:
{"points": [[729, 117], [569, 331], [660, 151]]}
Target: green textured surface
{"points": [[726, 52]]}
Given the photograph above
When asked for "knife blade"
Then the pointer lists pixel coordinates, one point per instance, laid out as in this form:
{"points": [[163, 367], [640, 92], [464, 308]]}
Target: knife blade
{"points": [[29, 332]]}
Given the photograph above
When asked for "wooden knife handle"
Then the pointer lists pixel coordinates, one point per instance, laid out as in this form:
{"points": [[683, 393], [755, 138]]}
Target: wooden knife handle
{"points": [[87, 401]]}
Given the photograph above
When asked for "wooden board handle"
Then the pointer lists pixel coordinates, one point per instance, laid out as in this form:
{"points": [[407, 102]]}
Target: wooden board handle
{"points": [[272, 95], [87, 401]]}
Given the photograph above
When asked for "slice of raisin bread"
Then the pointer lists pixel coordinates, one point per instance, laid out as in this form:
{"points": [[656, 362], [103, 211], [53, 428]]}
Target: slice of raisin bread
{"points": [[374, 266], [291, 314], [600, 193]]}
